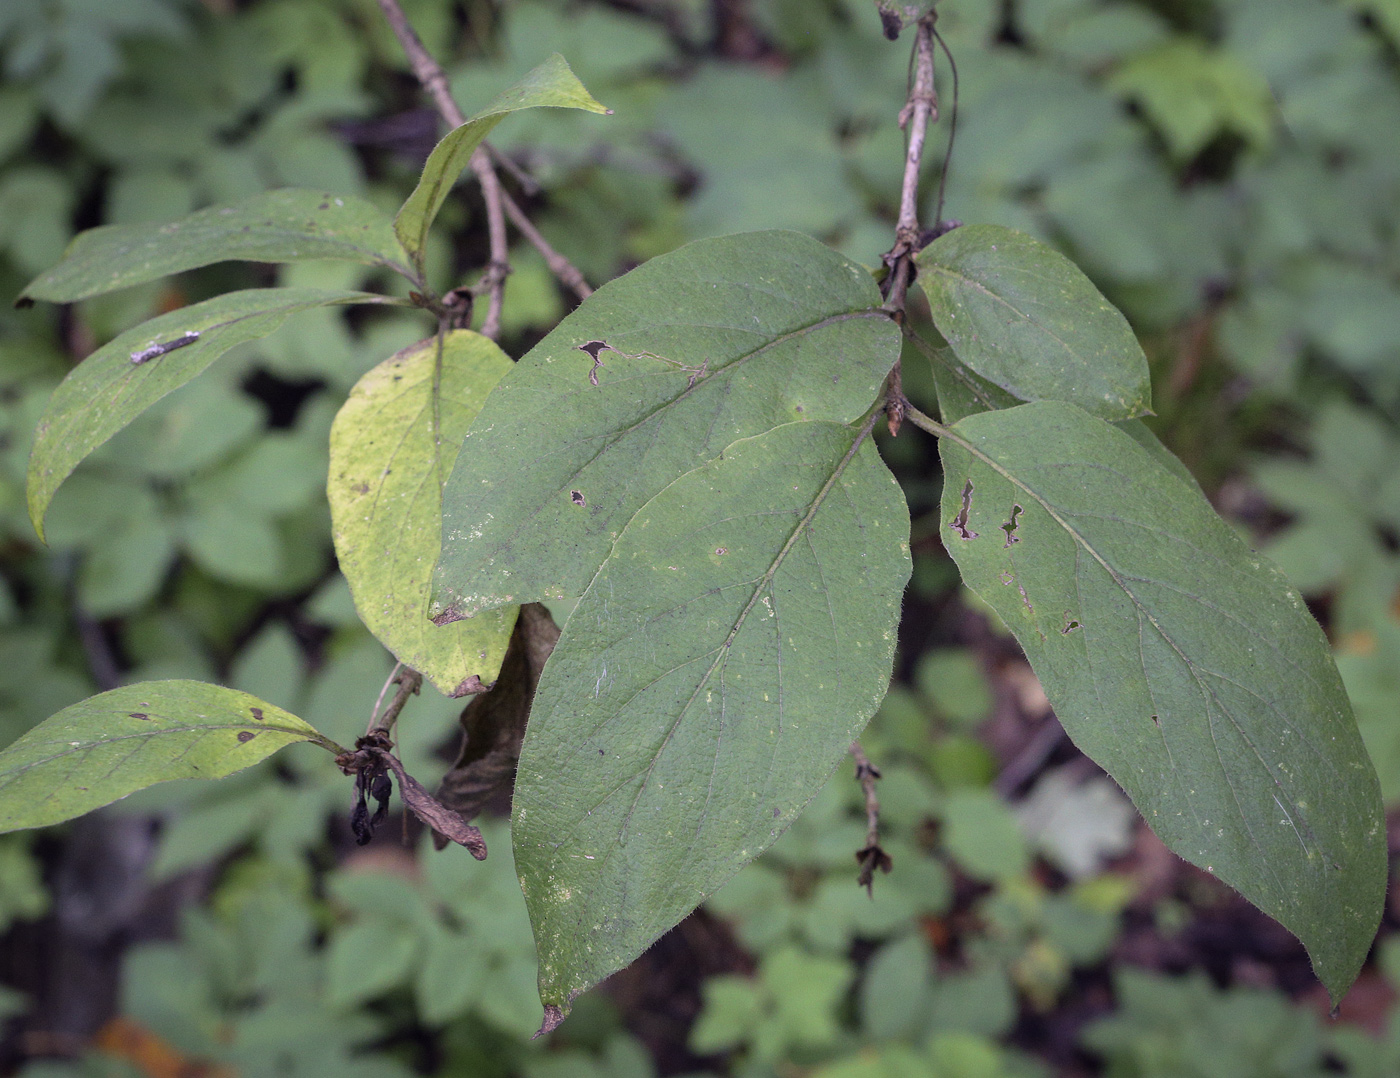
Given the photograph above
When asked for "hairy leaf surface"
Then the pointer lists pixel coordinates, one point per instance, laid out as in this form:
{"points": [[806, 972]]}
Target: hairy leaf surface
{"points": [[291, 225], [652, 376], [121, 741], [552, 84], [736, 640], [392, 446], [109, 389], [1180, 660], [1026, 318]]}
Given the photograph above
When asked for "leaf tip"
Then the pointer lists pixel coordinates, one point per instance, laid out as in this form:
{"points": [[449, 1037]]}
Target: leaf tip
{"points": [[553, 1016], [38, 509], [445, 615], [471, 685]]}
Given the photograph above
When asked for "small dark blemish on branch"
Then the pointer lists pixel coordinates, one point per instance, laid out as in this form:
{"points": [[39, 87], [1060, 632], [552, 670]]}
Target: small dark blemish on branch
{"points": [[959, 522]]}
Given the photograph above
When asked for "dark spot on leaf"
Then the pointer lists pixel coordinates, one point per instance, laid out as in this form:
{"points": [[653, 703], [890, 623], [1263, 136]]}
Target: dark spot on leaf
{"points": [[1156, 721], [1070, 624], [1010, 527], [959, 522], [324, 206], [576, 496], [138, 715], [245, 736], [721, 550], [601, 752], [594, 349], [257, 713]]}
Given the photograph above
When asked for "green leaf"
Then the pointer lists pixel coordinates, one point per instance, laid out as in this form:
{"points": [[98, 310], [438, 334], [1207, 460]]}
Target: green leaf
{"points": [[962, 393], [980, 833], [1182, 662], [113, 744], [1026, 318], [368, 959], [391, 449], [733, 644], [551, 84], [291, 225], [894, 995], [109, 389], [720, 340], [1193, 92]]}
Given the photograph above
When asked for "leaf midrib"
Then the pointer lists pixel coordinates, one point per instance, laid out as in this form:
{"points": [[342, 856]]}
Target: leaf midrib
{"points": [[800, 529], [257, 726]]}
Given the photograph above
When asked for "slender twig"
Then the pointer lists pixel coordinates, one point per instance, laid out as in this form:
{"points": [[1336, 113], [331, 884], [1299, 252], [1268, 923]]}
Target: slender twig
{"points": [[923, 422], [409, 682], [920, 109], [383, 692], [498, 269], [871, 857], [498, 203], [433, 79], [560, 266], [528, 183], [952, 134], [429, 74]]}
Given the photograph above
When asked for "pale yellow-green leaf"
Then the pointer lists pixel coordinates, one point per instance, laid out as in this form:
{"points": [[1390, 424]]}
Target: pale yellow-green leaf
{"points": [[390, 451], [113, 744]]}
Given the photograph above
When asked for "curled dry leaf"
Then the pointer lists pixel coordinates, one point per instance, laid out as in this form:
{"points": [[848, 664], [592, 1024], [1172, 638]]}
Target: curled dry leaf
{"points": [[433, 812], [493, 724]]}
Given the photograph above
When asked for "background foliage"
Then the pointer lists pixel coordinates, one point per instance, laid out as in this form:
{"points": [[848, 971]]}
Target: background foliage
{"points": [[1228, 173]]}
